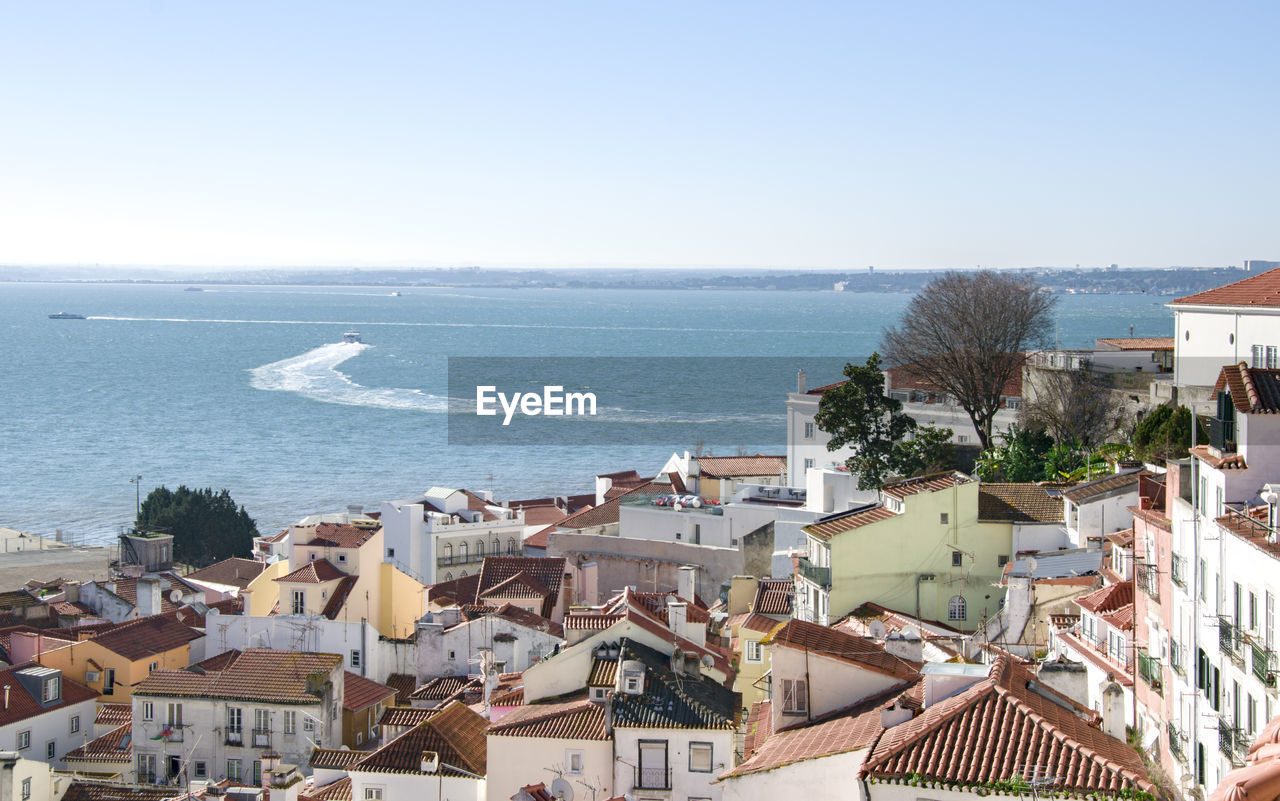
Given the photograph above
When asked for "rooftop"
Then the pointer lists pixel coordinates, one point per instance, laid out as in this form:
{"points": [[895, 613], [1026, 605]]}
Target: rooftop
{"points": [[1109, 484], [456, 734], [930, 483], [578, 719], [320, 571], [22, 705], [735, 466], [672, 701], [825, 641], [340, 535], [1262, 290], [774, 597], [1023, 502], [1253, 390], [258, 674], [359, 693], [146, 636], [114, 746], [1137, 343], [825, 528], [234, 572]]}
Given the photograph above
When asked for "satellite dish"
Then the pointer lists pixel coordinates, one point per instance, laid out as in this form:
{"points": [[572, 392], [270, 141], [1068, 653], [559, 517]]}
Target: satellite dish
{"points": [[212, 613], [175, 595], [707, 661], [562, 790]]}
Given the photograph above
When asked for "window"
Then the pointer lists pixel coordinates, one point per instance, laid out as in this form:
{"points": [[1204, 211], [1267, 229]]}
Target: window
{"points": [[1256, 353], [24, 740], [943, 518], [342, 558], [26, 789], [373, 794], [697, 534], [957, 559], [290, 721], [51, 750], [956, 608], [173, 715], [233, 770], [299, 602], [313, 557], [1253, 611], [808, 464], [257, 772], [109, 681], [235, 720], [147, 768], [75, 724], [462, 552], [795, 696], [52, 690], [573, 763], [755, 652], [355, 659], [699, 757], [1002, 560], [200, 769], [511, 546], [479, 549], [308, 724], [453, 655], [1270, 633], [391, 552], [962, 439], [148, 711], [808, 430]]}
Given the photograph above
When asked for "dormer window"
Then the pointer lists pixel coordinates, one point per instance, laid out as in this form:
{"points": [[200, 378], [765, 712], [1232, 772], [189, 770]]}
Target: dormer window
{"points": [[342, 558], [52, 689]]}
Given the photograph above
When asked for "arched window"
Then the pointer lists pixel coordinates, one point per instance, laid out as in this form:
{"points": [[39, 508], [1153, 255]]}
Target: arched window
{"points": [[511, 546], [448, 577], [462, 553], [448, 554], [479, 549], [497, 546], [956, 608], [462, 574]]}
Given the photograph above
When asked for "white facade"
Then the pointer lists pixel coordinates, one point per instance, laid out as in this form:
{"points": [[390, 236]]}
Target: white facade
{"points": [[1207, 338], [809, 779], [437, 538], [717, 526], [448, 646], [363, 651], [387, 786], [677, 774], [514, 762], [1096, 517], [830, 684], [55, 732]]}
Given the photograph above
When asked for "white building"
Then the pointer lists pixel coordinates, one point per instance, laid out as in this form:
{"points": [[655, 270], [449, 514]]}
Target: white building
{"points": [[446, 533], [195, 725], [1235, 323], [450, 644], [43, 715]]}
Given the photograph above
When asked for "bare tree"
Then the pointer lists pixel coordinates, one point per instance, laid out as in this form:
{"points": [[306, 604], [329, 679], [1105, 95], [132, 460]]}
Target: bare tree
{"points": [[1072, 405], [967, 334]]}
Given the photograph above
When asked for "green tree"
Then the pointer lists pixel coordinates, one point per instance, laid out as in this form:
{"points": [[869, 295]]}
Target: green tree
{"points": [[206, 526], [1165, 433], [1022, 455], [858, 414]]}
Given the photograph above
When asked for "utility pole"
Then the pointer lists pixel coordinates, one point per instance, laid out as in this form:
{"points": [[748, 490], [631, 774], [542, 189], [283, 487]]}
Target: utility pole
{"points": [[136, 481]]}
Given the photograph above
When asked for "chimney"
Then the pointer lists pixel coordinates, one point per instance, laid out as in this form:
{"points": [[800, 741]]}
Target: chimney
{"points": [[800, 383], [891, 716], [354, 510], [72, 589], [1112, 709], [742, 591], [677, 618], [687, 582], [429, 762], [905, 644], [148, 596], [6, 696], [24, 647], [1067, 678]]}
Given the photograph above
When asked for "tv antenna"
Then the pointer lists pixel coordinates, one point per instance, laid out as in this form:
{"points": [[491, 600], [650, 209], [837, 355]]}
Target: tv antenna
{"points": [[1036, 778]]}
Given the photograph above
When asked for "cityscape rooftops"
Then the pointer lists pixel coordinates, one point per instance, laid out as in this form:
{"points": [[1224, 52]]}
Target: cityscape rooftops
{"points": [[735, 466], [1253, 390], [258, 674], [1020, 502], [1262, 290]]}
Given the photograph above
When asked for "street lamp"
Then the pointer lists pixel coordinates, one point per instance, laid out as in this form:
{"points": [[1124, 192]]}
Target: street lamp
{"points": [[136, 481]]}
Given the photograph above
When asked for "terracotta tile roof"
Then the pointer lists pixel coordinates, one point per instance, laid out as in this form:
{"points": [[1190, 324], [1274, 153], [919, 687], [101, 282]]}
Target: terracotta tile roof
{"points": [[22, 706], [604, 673], [341, 535], [1219, 461], [1108, 599], [758, 728], [589, 621], [862, 651], [733, 466], [114, 746], [538, 792], [1138, 343], [318, 572], [457, 734], [897, 621], [822, 389], [284, 532], [333, 791], [991, 731], [71, 609], [1262, 290], [404, 685], [549, 571], [259, 674], [218, 662], [520, 586], [113, 715], [1254, 533], [17, 599], [359, 693], [1118, 482], [444, 688], [672, 701], [539, 538], [529, 620], [405, 716], [146, 636], [568, 720], [774, 596], [333, 607], [758, 622], [1018, 503], [127, 590], [102, 791], [462, 590], [1121, 619], [656, 603], [335, 758], [825, 528], [1122, 538], [234, 572], [512, 697], [477, 504], [930, 483], [849, 729], [1253, 390]]}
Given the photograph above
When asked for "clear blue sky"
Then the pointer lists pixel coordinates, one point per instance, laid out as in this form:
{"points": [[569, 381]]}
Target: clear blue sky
{"points": [[646, 133]]}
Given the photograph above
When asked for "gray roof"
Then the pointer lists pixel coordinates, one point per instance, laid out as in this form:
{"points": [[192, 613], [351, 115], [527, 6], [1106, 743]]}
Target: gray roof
{"points": [[1059, 564]]}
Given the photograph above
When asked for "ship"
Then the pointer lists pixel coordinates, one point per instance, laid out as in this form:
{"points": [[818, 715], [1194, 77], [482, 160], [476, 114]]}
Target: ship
{"points": [[66, 316], [351, 336]]}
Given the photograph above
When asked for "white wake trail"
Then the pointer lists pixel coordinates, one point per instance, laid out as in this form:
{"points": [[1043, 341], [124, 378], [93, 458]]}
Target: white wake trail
{"points": [[315, 375]]}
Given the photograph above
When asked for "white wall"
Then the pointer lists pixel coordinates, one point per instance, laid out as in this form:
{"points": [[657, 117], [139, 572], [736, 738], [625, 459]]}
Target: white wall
{"points": [[378, 657], [465, 640], [832, 683], [1217, 338], [54, 725], [810, 779], [684, 784], [1040, 537], [724, 530], [514, 762], [427, 787]]}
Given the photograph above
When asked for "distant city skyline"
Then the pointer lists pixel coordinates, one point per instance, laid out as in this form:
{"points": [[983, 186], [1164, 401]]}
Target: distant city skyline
{"points": [[819, 136]]}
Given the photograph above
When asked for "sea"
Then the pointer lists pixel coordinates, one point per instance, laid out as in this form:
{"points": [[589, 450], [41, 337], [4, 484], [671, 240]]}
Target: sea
{"points": [[252, 389]]}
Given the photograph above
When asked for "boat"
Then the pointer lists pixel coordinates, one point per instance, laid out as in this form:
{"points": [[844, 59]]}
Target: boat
{"points": [[66, 316], [194, 289], [395, 294], [351, 336]]}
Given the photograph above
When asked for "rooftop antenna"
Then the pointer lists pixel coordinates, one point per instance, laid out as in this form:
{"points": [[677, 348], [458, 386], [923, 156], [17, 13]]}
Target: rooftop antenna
{"points": [[1037, 779]]}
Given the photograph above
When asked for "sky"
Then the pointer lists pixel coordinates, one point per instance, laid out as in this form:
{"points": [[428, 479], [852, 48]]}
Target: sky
{"points": [[728, 134]]}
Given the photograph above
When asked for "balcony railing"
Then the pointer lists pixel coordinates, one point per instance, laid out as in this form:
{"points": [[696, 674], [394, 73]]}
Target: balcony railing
{"points": [[1147, 578], [1177, 658], [173, 733], [653, 778], [1232, 742], [1179, 572], [811, 572], [1263, 661], [235, 737], [1149, 670], [1177, 746], [261, 738], [459, 559], [1222, 434], [1229, 639]]}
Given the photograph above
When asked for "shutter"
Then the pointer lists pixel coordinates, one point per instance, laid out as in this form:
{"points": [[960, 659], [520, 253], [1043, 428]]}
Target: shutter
{"points": [[802, 695]]}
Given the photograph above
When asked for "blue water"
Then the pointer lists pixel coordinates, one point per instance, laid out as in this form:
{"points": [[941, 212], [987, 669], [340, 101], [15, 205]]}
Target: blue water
{"points": [[244, 388]]}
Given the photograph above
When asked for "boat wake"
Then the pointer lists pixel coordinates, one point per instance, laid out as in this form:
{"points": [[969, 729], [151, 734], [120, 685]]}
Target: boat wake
{"points": [[315, 375]]}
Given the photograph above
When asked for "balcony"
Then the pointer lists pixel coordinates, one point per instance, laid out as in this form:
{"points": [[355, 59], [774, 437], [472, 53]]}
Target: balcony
{"points": [[1263, 662], [173, 733], [1229, 640], [811, 572], [1179, 573], [680, 504], [1177, 745], [235, 737], [1146, 577], [261, 738], [1232, 742], [1222, 434], [1149, 670], [653, 779], [1176, 658], [460, 559]]}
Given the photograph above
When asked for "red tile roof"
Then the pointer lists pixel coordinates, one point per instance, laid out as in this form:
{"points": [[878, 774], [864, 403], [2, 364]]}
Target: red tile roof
{"points": [[234, 572], [530, 620], [318, 572], [259, 674], [113, 714], [520, 586], [758, 622], [993, 730], [101, 791], [1262, 290], [338, 600], [758, 728], [1022, 502], [127, 589], [538, 792], [342, 535], [862, 651], [733, 466], [569, 720], [218, 662], [549, 571], [404, 685], [359, 693], [1138, 343], [589, 621], [22, 706], [930, 483], [829, 527], [334, 791], [336, 758], [1119, 482], [457, 734], [1219, 461], [444, 688], [114, 746], [1108, 599], [774, 597], [146, 636], [404, 716], [1253, 390]]}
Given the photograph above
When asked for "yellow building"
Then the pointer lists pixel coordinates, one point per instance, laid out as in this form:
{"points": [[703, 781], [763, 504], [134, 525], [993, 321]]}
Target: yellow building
{"points": [[756, 607], [920, 548], [114, 662]]}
